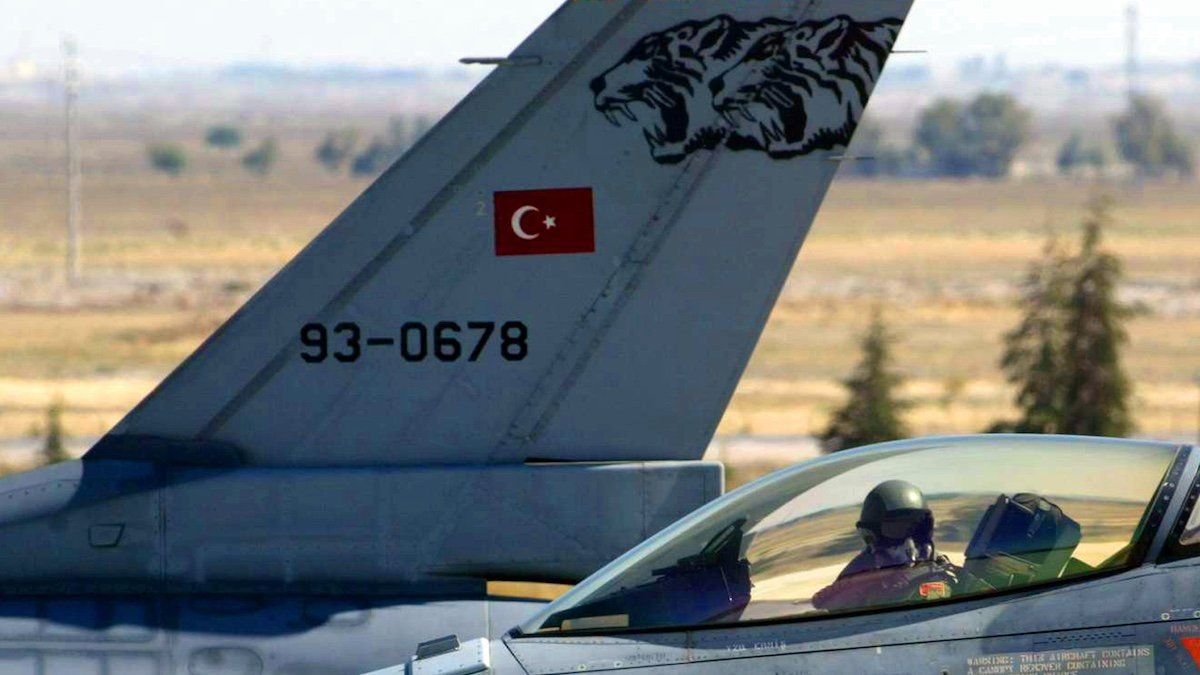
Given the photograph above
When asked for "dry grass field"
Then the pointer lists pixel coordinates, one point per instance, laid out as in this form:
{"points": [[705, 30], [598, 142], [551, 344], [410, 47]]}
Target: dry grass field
{"points": [[943, 259], [167, 259]]}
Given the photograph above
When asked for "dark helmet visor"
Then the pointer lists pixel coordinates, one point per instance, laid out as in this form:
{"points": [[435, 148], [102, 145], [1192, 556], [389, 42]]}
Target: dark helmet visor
{"points": [[898, 525]]}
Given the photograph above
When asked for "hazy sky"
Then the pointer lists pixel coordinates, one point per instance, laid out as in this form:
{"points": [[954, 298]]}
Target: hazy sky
{"points": [[161, 34]]}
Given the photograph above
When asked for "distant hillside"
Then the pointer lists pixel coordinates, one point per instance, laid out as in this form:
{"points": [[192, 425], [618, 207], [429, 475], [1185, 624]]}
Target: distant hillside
{"points": [[258, 87], [1053, 91], [345, 74]]}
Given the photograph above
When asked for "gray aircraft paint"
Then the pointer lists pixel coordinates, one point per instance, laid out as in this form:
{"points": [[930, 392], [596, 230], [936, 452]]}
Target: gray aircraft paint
{"points": [[259, 513], [135, 527], [1121, 610], [1140, 621], [634, 349]]}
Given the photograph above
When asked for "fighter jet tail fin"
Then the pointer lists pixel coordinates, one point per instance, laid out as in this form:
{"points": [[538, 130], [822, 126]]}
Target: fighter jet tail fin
{"points": [[575, 264]]}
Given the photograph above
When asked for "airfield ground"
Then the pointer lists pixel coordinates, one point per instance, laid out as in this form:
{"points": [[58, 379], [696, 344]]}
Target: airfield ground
{"points": [[167, 259]]}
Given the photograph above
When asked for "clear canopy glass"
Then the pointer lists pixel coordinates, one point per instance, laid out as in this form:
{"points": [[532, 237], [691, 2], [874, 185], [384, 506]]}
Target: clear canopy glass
{"points": [[898, 524]]}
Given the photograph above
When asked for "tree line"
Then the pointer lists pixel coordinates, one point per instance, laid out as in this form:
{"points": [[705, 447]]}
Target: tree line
{"points": [[982, 137], [1063, 358], [339, 149], [172, 160], [952, 138]]}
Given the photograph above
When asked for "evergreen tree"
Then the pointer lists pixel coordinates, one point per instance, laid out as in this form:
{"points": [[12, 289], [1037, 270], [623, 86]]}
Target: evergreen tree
{"points": [[168, 158], [1033, 351], [1146, 138], [996, 126], [1096, 388], [1064, 357], [1077, 153], [54, 449], [872, 415], [373, 159], [940, 134], [980, 138], [336, 148], [223, 136], [262, 159]]}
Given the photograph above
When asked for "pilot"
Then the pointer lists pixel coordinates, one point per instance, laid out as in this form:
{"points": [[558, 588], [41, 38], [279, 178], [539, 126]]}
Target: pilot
{"points": [[899, 562]]}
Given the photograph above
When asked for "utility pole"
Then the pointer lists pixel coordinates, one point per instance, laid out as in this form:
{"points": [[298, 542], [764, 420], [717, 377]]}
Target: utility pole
{"points": [[74, 167], [1131, 50]]}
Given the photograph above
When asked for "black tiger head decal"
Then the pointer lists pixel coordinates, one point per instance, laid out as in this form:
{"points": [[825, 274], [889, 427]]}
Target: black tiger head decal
{"points": [[782, 87], [662, 83], [803, 89]]}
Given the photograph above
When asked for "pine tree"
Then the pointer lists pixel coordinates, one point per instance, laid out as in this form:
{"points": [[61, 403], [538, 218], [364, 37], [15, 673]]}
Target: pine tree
{"points": [[1096, 389], [872, 415], [54, 449], [1033, 354], [1065, 356]]}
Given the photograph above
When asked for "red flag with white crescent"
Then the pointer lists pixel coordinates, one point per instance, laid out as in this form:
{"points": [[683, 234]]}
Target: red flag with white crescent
{"points": [[544, 222]]}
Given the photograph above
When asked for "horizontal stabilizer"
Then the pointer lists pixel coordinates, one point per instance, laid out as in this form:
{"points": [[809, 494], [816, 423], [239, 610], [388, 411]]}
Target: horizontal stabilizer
{"points": [[575, 264]]}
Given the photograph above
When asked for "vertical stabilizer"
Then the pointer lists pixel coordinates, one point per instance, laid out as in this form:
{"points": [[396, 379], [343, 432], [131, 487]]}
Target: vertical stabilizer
{"points": [[575, 264]]}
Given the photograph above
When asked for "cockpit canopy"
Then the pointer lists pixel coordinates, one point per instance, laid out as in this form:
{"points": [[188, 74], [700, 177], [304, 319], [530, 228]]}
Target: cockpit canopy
{"points": [[1000, 513]]}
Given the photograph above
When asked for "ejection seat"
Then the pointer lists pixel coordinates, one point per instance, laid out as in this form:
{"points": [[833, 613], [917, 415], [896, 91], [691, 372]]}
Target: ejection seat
{"points": [[1021, 540]]}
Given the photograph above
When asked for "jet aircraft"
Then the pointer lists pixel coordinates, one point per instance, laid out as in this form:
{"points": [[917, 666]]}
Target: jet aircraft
{"points": [[970, 555], [504, 361]]}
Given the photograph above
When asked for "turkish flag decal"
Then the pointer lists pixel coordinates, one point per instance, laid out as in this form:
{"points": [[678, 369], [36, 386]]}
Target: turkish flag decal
{"points": [[544, 222]]}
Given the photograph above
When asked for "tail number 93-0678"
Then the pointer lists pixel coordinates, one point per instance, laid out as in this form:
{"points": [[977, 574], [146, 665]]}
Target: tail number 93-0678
{"points": [[416, 341]]}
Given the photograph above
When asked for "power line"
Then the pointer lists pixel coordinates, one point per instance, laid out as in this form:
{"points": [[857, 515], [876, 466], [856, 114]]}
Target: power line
{"points": [[1132, 66], [74, 260]]}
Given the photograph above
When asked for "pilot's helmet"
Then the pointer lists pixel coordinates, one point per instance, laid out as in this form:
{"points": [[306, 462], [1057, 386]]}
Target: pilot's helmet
{"points": [[895, 511]]}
